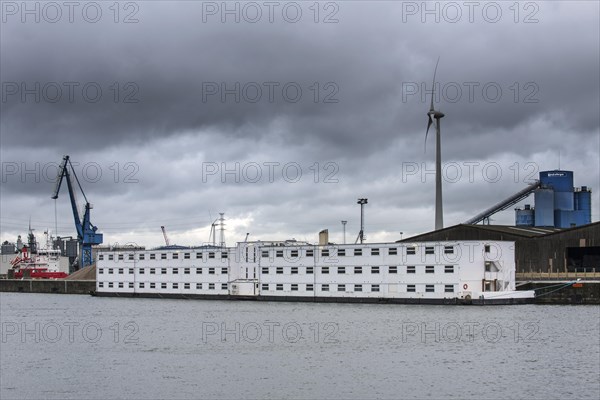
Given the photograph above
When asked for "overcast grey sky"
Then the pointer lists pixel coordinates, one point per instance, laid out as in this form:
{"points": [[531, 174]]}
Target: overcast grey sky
{"points": [[282, 114]]}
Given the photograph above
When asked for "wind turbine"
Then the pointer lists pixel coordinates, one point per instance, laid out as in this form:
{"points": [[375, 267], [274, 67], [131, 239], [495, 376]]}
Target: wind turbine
{"points": [[437, 115]]}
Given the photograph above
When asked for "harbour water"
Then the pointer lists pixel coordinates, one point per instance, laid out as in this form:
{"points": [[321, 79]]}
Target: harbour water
{"points": [[69, 346]]}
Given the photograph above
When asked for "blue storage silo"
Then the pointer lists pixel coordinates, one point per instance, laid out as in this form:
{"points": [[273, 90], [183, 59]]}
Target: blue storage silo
{"points": [[544, 207], [525, 217], [583, 203], [562, 184]]}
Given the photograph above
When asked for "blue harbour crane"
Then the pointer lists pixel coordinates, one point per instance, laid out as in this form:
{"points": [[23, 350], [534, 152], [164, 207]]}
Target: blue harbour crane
{"points": [[86, 231]]}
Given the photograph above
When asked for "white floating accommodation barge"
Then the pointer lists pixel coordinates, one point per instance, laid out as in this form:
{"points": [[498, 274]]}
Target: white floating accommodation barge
{"points": [[460, 272]]}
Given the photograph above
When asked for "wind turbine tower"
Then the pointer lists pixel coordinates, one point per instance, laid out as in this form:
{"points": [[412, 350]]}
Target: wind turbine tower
{"points": [[437, 115]]}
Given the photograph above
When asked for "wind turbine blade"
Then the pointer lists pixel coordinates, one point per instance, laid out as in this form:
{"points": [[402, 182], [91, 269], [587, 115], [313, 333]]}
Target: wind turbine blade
{"points": [[427, 132], [433, 84]]}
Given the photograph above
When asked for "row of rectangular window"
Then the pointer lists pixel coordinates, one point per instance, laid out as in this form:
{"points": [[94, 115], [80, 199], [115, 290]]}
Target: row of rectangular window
{"points": [[163, 285], [163, 256], [278, 287], [410, 269], [163, 270], [357, 252], [356, 288], [278, 253]]}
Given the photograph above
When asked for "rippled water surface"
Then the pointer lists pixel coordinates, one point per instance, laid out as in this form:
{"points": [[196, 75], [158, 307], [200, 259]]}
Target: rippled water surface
{"points": [[61, 346]]}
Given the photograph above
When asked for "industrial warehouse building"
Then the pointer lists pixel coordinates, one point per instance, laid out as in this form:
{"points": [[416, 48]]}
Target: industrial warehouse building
{"points": [[537, 249]]}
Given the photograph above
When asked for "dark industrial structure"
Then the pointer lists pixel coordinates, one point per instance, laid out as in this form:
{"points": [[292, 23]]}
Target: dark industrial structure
{"points": [[537, 249]]}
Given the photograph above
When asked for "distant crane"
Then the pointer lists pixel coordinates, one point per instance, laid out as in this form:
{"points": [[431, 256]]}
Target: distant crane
{"points": [[165, 236], [86, 231]]}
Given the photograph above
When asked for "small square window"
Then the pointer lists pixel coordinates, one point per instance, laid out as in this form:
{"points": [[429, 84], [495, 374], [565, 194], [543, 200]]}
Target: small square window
{"points": [[265, 270], [142, 256], [341, 270], [429, 288], [120, 256], [211, 286], [198, 285], [110, 284], [101, 257], [265, 286], [175, 286], [175, 256], [309, 253], [374, 270], [358, 288], [152, 271], [100, 284], [120, 270], [110, 257], [449, 269], [393, 269], [358, 270], [163, 256], [163, 285], [374, 288], [449, 288], [211, 255], [211, 271], [429, 250], [101, 270], [142, 271], [410, 288], [110, 270], [175, 270], [392, 251], [325, 288], [325, 253], [309, 287], [279, 270], [130, 271], [341, 252], [429, 269], [411, 269], [279, 253], [198, 255], [186, 271], [279, 286], [324, 270], [341, 288], [153, 256], [309, 270], [265, 254], [141, 285], [448, 249], [163, 271], [358, 252], [487, 248], [294, 270], [224, 271], [294, 253], [186, 256], [374, 252], [186, 285], [223, 286], [198, 270], [152, 285], [294, 287], [411, 250], [131, 256], [224, 255]]}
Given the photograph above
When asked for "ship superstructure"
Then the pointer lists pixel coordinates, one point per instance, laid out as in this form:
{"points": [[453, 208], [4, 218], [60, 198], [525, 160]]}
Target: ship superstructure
{"points": [[455, 272]]}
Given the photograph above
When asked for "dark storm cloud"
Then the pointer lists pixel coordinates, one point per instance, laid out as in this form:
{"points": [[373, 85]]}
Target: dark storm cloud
{"points": [[374, 64]]}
